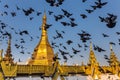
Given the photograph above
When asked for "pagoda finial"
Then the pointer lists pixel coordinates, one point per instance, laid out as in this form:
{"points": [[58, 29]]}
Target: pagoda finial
{"points": [[44, 22], [90, 46], [44, 17], [44, 11], [9, 41], [111, 47], [9, 46]]}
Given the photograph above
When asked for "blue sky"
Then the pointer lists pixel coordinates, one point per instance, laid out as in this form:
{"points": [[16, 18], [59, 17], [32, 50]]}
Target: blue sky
{"points": [[91, 25]]}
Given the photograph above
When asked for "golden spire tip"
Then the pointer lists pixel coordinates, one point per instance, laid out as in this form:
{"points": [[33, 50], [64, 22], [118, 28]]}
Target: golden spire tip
{"points": [[90, 45], [111, 47]]}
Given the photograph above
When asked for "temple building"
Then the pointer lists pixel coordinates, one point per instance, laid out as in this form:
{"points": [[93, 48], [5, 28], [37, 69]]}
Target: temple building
{"points": [[44, 63], [43, 53]]}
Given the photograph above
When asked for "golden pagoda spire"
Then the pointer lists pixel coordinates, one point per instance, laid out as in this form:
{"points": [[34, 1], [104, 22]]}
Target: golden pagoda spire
{"points": [[43, 53], [43, 27], [8, 56], [93, 63], [113, 61], [44, 21], [92, 58], [113, 57]]}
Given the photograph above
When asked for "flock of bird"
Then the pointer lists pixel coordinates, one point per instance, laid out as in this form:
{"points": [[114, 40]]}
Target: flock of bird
{"points": [[55, 3], [110, 20], [84, 36]]}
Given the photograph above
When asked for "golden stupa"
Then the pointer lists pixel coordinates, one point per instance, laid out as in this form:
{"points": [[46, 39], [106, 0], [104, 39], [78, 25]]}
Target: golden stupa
{"points": [[43, 53]]}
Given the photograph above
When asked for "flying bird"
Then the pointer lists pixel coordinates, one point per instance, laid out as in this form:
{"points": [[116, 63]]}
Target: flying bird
{"points": [[38, 13], [48, 26], [23, 32], [89, 10], [69, 42], [99, 49], [100, 4], [101, 19], [6, 6], [59, 35], [75, 51], [50, 12], [58, 17], [118, 33], [51, 2], [66, 13], [83, 16], [105, 35], [73, 24], [72, 19], [13, 14], [84, 1], [28, 11], [18, 8], [31, 18], [112, 43], [65, 23], [79, 46]]}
